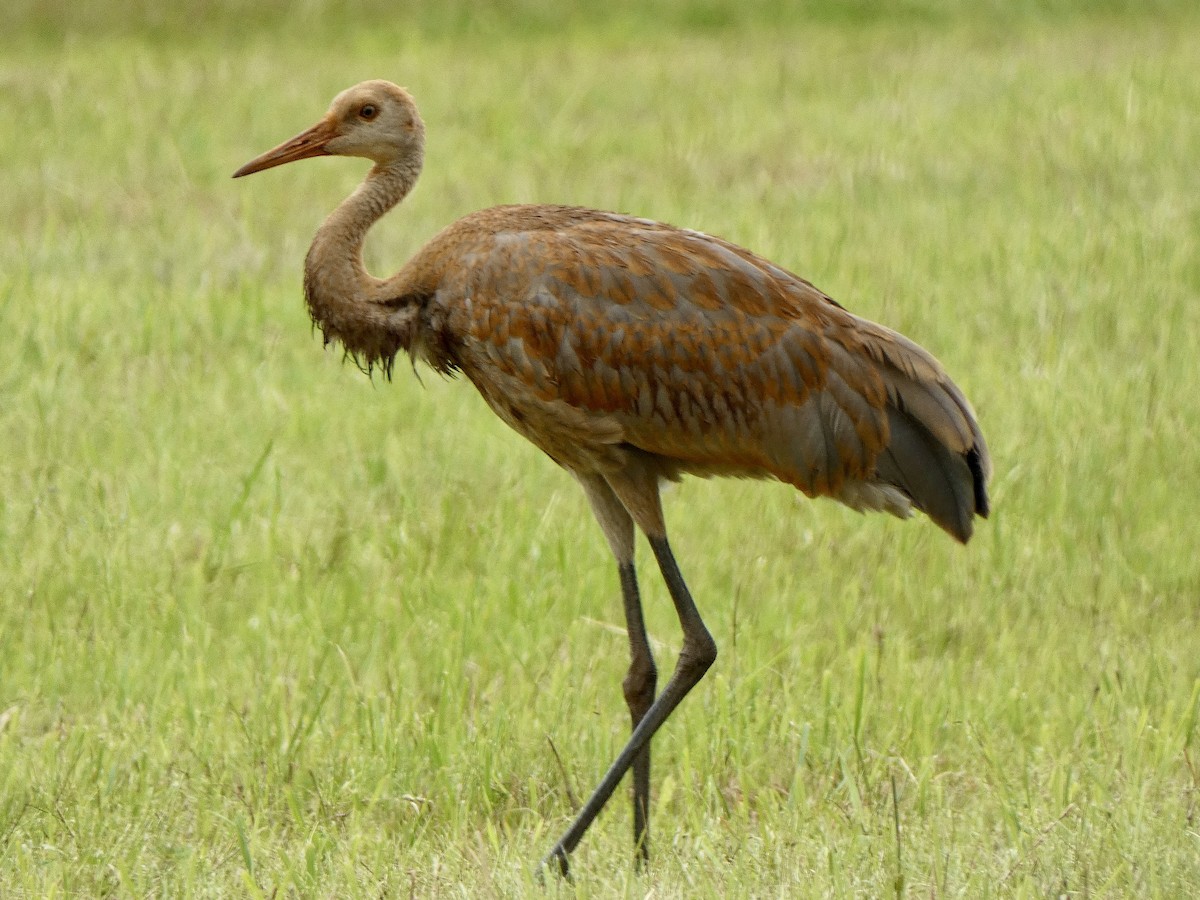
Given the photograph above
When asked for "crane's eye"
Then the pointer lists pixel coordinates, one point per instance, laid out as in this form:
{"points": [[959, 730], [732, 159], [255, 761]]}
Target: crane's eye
{"points": [[368, 112]]}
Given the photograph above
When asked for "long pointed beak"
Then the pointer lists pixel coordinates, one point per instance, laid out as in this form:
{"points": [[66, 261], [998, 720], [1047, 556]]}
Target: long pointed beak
{"points": [[304, 145]]}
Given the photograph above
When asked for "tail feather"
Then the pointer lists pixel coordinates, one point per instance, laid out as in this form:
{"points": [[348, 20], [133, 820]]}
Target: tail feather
{"points": [[936, 453], [947, 486]]}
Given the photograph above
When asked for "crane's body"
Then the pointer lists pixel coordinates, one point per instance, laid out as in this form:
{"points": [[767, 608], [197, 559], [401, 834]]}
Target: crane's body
{"points": [[593, 334], [630, 352]]}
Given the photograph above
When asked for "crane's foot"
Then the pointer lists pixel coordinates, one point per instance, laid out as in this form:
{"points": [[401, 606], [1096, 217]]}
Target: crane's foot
{"points": [[641, 858], [556, 859]]}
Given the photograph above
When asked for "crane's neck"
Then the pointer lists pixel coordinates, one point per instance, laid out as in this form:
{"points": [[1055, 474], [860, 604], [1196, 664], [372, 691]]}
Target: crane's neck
{"points": [[366, 315]]}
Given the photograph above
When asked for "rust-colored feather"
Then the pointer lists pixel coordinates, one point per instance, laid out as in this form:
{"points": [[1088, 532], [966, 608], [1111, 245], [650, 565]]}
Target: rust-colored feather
{"points": [[612, 333]]}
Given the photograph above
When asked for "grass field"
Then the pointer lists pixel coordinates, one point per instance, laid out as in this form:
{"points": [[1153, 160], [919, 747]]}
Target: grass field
{"points": [[270, 629]]}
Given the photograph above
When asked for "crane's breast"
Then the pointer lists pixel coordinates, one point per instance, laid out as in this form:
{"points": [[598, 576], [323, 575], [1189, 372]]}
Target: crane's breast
{"points": [[670, 341]]}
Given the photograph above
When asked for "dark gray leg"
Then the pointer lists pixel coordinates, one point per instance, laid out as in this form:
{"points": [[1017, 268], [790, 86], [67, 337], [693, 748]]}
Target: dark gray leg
{"points": [[639, 686], [642, 677], [697, 655]]}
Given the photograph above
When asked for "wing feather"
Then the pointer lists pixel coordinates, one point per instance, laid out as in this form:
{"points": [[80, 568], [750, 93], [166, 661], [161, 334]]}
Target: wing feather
{"points": [[697, 352]]}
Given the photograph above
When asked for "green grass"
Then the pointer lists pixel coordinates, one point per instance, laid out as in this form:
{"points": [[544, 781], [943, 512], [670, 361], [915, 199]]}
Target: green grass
{"points": [[267, 628]]}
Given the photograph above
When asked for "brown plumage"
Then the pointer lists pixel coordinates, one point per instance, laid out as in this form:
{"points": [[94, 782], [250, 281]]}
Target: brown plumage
{"points": [[631, 352]]}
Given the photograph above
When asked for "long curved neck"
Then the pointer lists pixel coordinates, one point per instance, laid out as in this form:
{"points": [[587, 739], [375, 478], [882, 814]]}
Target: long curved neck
{"points": [[345, 301]]}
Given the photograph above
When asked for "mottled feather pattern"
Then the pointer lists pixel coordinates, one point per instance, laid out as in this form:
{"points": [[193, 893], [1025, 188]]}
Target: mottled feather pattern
{"points": [[595, 334], [696, 349]]}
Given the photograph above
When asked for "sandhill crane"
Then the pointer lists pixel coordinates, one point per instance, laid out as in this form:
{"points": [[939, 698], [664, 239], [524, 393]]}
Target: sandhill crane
{"points": [[632, 352]]}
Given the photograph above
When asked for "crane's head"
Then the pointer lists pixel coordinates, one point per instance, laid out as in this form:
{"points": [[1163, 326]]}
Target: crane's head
{"points": [[375, 119]]}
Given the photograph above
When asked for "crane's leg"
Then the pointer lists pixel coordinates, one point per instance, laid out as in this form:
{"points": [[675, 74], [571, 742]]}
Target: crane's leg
{"points": [[642, 677], [638, 493], [639, 685]]}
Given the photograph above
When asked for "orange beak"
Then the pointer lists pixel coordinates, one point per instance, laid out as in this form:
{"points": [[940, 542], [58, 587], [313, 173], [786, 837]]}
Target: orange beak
{"points": [[304, 145]]}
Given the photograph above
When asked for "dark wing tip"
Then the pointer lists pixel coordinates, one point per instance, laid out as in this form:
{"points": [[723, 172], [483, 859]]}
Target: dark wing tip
{"points": [[975, 464]]}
